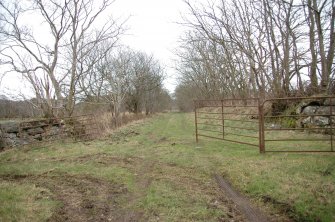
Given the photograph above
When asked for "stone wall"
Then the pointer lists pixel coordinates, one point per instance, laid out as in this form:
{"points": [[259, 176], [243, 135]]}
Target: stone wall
{"points": [[14, 133], [317, 113]]}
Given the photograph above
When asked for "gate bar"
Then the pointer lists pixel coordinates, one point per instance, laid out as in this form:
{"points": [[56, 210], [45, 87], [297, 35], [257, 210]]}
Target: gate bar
{"points": [[235, 134], [210, 131], [251, 144]]}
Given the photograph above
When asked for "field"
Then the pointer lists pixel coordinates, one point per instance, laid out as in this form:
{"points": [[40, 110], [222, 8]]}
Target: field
{"points": [[153, 170]]}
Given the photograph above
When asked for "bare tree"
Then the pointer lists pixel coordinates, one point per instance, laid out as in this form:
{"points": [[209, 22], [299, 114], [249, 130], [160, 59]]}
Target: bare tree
{"points": [[146, 76], [117, 74], [71, 29], [125, 79], [258, 47], [83, 15], [23, 53], [323, 13]]}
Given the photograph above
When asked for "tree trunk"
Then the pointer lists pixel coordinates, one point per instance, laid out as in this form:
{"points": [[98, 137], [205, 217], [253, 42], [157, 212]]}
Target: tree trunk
{"points": [[312, 73]]}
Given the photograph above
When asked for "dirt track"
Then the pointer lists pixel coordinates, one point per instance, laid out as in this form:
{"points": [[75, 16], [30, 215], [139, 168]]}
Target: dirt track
{"points": [[83, 198], [87, 198], [251, 213]]}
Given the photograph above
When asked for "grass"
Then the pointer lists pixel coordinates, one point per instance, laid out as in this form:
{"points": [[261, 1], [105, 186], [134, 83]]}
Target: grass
{"points": [[25, 202], [169, 177], [237, 126]]}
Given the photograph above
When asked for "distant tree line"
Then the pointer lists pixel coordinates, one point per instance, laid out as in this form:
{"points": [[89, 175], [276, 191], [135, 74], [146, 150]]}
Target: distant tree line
{"points": [[128, 80], [81, 61], [18, 109], [259, 48]]}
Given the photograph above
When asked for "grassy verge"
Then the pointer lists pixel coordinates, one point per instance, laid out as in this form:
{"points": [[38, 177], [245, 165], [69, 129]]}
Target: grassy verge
{"points": [[25, 202], [168, 177]]}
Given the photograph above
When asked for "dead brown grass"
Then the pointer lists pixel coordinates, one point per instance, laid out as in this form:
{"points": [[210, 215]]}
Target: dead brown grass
{"points": [[108, 122]]}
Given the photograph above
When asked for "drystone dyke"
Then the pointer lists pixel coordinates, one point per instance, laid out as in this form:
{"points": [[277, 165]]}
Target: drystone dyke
{"points": [[317, 113], [14, 134]]}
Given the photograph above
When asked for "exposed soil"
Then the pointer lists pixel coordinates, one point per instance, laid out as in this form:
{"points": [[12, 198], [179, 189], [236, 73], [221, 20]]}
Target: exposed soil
{"points": [[87, 198], [83, 198], [251, 212]]}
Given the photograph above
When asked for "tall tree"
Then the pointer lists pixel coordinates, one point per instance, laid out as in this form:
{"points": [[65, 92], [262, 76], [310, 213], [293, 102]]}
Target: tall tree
{"points": [[258, 47], [323, 13], [70, 30]]}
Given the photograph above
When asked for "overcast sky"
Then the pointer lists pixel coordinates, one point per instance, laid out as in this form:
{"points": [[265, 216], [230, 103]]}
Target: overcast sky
{"points": [[152, 28]]}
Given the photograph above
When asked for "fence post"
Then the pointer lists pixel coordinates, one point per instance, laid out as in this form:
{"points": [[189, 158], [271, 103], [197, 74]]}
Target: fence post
{"points": [[261, 126], [196, 122], [331, 123], [222, 116]]}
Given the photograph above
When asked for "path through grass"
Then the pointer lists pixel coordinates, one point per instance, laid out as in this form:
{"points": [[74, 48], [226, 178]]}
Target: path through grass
{"points": [[153, 170]]}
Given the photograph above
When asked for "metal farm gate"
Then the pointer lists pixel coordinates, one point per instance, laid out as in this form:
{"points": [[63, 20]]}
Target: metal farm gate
{"points": [[229, 120], [306, 125], [300, 124]]}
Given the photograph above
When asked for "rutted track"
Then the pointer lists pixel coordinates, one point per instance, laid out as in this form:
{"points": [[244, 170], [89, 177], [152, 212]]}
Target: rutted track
{"points": [[82, 198], [157, 176], [250, 212]]}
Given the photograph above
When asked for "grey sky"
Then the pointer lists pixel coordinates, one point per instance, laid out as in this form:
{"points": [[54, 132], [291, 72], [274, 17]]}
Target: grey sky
{"points": [[151, 27]]}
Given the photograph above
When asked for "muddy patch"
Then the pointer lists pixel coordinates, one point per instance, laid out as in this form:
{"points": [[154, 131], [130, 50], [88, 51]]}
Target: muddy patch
{"points": [[82, 198], [100, 158], [250, 212], [122, 136]]}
